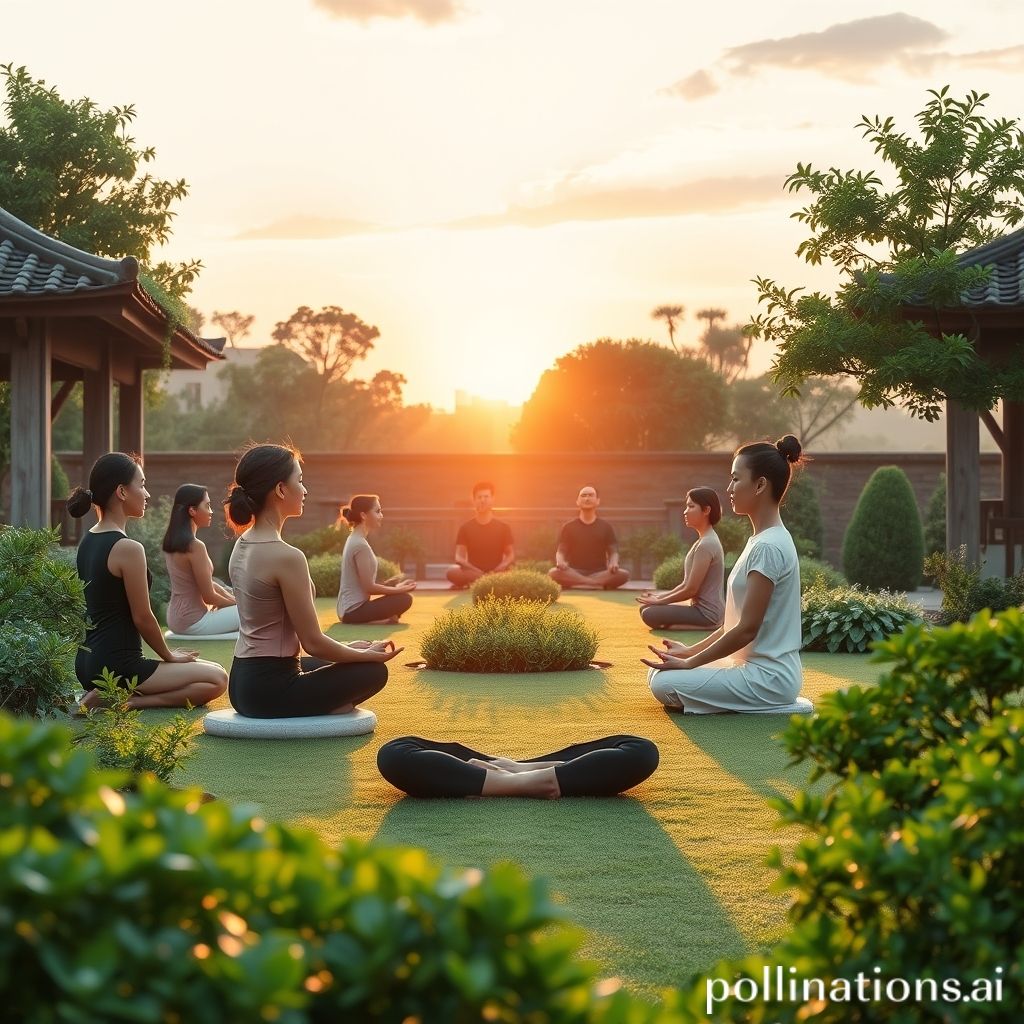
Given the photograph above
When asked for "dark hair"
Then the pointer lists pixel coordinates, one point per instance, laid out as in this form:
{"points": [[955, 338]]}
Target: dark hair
{"points": [[482, 485], [110, 471], [352, 513], [707, 497], [179, 526], [774, 462], [260, 469]]}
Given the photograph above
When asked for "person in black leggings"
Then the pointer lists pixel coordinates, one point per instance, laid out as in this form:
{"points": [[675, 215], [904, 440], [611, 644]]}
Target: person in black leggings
{"points": [[603, 767]]}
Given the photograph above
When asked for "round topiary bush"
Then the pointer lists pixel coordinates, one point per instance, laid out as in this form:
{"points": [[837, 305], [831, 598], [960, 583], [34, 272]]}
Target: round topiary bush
{"points": [[325, 572], [507, 634], [541, 565], [801, 512], [884, 544], [670, 573], [812, 571], [516, 583]]}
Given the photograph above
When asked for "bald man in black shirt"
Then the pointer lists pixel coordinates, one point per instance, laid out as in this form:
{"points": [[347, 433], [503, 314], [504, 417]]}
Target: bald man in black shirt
{"points": [[588, 555]]}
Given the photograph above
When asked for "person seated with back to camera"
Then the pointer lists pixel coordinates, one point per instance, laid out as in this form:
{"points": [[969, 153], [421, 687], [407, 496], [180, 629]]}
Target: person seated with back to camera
{"points": [[587, 556], [361, 599], [698, 602], [483, 543]]}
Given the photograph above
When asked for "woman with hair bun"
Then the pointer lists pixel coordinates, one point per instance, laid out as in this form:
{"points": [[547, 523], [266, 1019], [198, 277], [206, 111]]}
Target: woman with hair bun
{"points": [[752, 662], [113, 568], [276, 613], [356, 603], [199, 605], [697, 602]]}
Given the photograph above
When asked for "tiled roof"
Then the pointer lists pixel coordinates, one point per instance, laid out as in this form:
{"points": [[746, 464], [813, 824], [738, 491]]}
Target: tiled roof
{"points": [[33, 264], [1005, 285]]}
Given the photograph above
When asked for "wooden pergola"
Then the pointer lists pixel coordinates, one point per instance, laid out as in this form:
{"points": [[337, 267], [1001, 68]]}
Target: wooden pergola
{"points": [[67, 316], [992, 317]]}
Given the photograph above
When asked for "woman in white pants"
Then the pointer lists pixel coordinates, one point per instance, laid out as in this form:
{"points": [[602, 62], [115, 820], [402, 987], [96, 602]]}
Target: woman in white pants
{"points": [[199, 605], [751, 662]]}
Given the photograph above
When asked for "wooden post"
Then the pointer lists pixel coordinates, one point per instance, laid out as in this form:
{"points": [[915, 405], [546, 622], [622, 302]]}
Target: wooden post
{"points": [[130, 432], [97, 411], [963, 480], [1013, 460], [30, 427]]}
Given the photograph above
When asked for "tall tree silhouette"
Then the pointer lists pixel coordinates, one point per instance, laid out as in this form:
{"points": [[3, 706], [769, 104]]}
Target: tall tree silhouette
{"points": [[235, 325], [671, 315]]}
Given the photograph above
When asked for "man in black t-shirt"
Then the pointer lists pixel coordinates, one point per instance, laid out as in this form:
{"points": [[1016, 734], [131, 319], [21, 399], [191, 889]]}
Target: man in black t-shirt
{"points": [[483, 544], [588, 555]]}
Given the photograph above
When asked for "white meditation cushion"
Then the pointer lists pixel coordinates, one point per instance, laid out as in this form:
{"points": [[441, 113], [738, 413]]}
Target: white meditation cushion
{"points": [[183, 638], [801, 706], [231, 724]]}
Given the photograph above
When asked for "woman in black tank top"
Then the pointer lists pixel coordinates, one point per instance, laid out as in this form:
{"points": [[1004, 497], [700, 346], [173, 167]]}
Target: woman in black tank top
{"points": [[117, 580]]}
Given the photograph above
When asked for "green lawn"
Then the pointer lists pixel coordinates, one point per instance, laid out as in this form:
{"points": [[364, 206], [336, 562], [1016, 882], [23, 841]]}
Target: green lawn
{"points": [[664, 881]]}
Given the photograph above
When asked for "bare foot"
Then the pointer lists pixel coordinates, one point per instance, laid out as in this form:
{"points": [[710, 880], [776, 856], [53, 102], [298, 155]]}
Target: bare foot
{"points": [[540, 783], [491, 766]]}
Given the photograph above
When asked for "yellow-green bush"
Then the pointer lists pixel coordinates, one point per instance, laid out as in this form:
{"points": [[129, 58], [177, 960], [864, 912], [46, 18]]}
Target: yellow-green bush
{"points": [[325, 572], [522, 583], [507, 634]]}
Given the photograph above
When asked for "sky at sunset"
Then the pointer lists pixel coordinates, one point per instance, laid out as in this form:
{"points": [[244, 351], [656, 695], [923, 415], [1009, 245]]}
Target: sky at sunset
{"points": [[494, 182]]}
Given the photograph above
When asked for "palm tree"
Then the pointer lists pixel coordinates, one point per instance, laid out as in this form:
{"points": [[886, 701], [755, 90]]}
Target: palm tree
{"points": [[670, 314], [711, 315]]}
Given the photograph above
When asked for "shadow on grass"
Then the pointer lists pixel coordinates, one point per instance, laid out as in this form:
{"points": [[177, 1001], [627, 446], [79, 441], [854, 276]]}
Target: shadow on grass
{"points": [[616, 871]]}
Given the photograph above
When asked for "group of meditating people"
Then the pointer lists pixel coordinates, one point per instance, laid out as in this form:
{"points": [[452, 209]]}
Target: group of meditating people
{"points": [[284, 665]]}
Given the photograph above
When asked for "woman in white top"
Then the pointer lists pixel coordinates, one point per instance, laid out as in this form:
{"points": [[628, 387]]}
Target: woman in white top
{"points": [[752, 662], [361, 598], [698, 602]]}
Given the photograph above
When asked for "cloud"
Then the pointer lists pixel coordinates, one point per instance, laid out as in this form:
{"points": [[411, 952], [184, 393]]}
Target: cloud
{"points": [[1010, 58], [308, 226], [431, 12], [694, 87], [700, 196]]}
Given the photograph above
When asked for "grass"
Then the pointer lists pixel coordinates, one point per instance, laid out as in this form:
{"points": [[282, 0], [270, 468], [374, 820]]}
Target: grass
{"points": [[665, 880]]}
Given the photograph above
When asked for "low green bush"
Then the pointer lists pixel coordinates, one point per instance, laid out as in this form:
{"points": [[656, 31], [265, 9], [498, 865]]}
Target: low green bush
{"points": [[152, 906], [401, 544], [910, 868], [935, 520], [540, 565], [325, 572], [669, 574], [811, 570], [850, 619], [119, 740], [801, 512], [647, 548], [42, 623], [733, 531], [522, 583], [506, 634], [964, 592], [328, 540]]}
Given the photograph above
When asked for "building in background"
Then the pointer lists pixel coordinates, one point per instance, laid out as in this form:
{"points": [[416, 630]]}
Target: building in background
{"points": [[197, 389]]}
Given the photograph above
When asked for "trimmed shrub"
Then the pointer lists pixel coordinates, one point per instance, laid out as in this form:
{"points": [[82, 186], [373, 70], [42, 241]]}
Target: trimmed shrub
{"points": [[670, 573], [812, 570], [521, 583], [505, 634], [964, 592], [910, 868], [400, 544], [733, 531], [325, 572], [119, 740], [801, 512], [850, 619], [42, 623], [152, 906], [884, 544], [534, 565], [328, 540], [648, 547]]}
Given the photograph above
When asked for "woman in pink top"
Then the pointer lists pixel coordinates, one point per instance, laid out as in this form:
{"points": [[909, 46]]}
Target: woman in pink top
{"points": [[199, 605], [276, 613]]}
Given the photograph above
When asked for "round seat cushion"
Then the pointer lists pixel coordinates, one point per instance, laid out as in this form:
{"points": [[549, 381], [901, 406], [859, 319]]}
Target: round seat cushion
{"points": [[231, 724]]}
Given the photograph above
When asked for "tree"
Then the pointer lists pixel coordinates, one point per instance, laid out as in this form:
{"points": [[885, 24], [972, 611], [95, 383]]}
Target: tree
{"points": [[623, 396], [332, 341], [954, 187], [671, 315], [235, 325], [72, 171]]}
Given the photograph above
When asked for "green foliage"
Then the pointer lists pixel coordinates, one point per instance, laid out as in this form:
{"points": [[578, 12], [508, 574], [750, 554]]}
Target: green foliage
{"points": [[648, 547], [325, 572], [72, 171], [42, 623], [541, 565], [402, 544], [149, 531], [152, 906], [539, 545], [119, 740], [911, 862], [955, 186], [328, 540], [801, 513], [669, 574], [812, 570], [623, 396], [508, 634], [935, 520], [519, 582], [884, 544], [964, 592], [850, 619], [733, 531]]}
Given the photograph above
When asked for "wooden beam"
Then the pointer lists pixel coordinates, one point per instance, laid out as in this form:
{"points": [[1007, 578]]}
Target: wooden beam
{"points": [[1013, 460], [30, 427], [130, 416], [963, 480], [97, 411], [993, 428], [58, 400]]}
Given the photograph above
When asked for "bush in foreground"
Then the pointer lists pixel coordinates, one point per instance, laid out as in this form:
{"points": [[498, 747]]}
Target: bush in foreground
{"points": [[325, 572], [154, 907], [504, 634], [521, 583], [850, 619]]}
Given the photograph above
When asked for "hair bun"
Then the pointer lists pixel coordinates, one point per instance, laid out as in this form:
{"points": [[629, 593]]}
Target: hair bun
{"points": [[79, 501], [789, 448], [348, 515]]}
